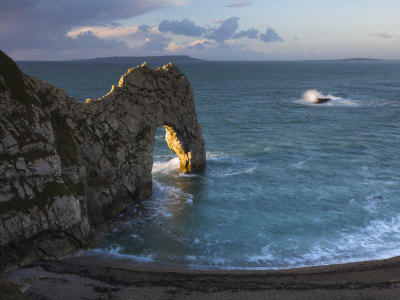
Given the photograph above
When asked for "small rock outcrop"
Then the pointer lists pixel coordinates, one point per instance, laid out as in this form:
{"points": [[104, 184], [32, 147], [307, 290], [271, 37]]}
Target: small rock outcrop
{"points": [[66, 166], [322, 100]]}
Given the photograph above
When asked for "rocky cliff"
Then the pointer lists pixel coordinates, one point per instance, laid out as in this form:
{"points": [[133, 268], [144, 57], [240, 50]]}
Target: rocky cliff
{"points": [[65, 166]]}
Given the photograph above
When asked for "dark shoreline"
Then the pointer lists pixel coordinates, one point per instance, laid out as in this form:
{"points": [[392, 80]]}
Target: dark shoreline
{"points": [[94, 277]]}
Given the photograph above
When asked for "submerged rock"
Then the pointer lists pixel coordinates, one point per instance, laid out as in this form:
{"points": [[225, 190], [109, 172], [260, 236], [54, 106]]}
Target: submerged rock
{"points": [[322, 100], [66, 166]]}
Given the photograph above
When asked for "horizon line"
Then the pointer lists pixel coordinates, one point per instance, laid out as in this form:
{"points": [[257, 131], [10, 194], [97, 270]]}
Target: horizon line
{"points": [[217, 60]]}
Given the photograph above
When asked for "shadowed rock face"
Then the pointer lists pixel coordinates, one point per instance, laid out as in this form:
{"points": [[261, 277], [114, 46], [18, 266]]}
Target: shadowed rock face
{"points": [[67, 166]]}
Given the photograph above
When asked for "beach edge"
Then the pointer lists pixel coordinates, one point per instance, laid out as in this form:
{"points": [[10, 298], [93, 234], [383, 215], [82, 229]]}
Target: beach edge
{"points": [[95, 276]]}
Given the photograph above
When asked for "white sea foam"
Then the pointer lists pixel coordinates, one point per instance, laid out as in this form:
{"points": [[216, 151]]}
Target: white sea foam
{"points": [[239, 172], [166, 166], [223, 157], [379, 239], [191, 257], [222, 163], [265, 257], [187, 175], [300, 164], [115, 253], [310, 96], [214, 155], [171, 201], [367, 243]]}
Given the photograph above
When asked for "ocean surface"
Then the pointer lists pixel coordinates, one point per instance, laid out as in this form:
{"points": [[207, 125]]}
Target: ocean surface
{"points": [[288, 183]]}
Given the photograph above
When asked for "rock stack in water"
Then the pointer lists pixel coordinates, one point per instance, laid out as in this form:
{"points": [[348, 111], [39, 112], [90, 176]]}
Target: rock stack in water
{"points": [[65, 166]]}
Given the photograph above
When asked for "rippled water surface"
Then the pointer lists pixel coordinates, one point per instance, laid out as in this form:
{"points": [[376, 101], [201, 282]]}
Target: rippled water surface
{"points": [[288, 182]]}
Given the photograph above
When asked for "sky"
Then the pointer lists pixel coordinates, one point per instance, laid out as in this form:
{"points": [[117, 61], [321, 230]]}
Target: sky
{"points": [[207, 29]]}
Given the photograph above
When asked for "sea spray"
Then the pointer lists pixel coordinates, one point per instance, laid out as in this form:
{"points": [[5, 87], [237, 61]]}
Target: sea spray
{"points": [[166, 166], [312, 95]]}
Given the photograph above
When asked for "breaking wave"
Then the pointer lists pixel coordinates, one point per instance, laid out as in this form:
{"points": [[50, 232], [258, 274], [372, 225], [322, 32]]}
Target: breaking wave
{"points": [[309, 98], [166, 166], [312, 95]]}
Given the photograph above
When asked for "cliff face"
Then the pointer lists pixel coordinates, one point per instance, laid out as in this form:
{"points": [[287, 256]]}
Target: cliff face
{"points": [[66, 166]]}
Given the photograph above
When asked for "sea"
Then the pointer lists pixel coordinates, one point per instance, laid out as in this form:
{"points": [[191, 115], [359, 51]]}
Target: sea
{"points": [[288, 182]]}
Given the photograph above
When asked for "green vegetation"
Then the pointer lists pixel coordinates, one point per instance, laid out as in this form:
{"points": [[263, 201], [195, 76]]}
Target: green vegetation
{"points": [[110, 147], [23, 132], [77, 188], [28, 156], [53, 189], [25, 114], [50, 190], [95, 180], [66, 146], [43, 198], [11, 291], [2, 132], [74, 188], [22, 117], [13, 80]]}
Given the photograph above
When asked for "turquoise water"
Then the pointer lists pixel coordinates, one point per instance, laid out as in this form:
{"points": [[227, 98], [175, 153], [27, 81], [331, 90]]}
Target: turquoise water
{"points": [[288, 182]]}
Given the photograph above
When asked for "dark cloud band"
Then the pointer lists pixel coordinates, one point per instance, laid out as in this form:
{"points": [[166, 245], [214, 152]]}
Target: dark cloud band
{"points": [[184, 27], [270, 36]]}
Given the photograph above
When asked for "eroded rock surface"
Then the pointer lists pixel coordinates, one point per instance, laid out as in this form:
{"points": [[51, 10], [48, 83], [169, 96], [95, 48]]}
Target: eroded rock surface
{"points": [[66, 166]]}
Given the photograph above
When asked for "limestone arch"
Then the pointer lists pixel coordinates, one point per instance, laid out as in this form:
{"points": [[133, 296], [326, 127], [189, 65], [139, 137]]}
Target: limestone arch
{"points": [[160, 97]]}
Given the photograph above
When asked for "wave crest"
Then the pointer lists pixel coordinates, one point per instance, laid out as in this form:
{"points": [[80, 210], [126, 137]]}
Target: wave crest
{"points": [[166, 166], [312, 95]]}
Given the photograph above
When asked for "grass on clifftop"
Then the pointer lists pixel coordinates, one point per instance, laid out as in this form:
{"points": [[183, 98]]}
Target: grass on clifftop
{"points": [[10, 291], [66, 146], [13, 80]]}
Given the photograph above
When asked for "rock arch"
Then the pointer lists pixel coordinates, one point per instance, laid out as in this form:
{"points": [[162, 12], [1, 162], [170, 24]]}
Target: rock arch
{"points": [[71, 165], [145, 99], [164, 97]]}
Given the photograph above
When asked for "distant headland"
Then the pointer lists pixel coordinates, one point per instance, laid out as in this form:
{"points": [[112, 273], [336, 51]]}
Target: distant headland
{"points": [[163, 59], [348, 59]]}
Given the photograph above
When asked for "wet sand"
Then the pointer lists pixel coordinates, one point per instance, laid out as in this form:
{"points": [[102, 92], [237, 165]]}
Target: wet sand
{"points": [[96, 277]]}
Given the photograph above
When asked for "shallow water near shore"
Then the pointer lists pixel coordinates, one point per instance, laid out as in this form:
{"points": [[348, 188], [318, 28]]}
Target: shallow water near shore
{"points": [[288, 183]]}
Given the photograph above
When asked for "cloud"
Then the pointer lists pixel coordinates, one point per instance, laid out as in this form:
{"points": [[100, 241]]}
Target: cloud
{"points": [[59, 29], [174, 47], [88, 40], [185, 27], [145, 28], [117, 32], [385, 36], [270, 36], [239, 4], [225, 31], [83, 45], [217, 21], [156, 43], [105, 32], [32, 24], [76, 12], [11, 5], [251, 33], [202, 44]]}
